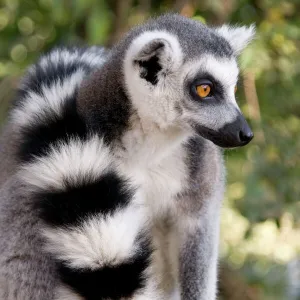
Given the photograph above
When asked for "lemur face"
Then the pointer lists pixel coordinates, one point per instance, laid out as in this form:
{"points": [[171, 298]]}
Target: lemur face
{"points": [[187, 77]]}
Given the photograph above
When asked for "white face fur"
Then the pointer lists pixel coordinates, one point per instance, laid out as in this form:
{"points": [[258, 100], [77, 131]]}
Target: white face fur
{"points": [[168, 99]]}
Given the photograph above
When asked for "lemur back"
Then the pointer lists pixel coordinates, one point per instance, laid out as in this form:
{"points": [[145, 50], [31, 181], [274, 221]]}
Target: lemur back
{"points": [[113, 181]]}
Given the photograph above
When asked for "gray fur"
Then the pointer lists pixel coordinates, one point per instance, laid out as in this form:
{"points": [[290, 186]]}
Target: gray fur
{"points": [[199, 40], [8, 146], [26, 272], [202, 201], [110, 112]]}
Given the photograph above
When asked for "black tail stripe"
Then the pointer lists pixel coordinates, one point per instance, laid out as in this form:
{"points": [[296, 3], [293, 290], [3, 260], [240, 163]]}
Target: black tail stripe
{"points": [[110, 282], [76, 203]]}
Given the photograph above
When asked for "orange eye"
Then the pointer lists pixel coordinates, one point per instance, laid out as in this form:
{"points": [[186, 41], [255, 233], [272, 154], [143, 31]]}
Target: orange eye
{"points": [[235, 89], [203, 90]]}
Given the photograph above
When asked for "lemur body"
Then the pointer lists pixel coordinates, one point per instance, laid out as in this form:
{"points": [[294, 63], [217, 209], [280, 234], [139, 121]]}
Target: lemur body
{"points": [[115, 180]]}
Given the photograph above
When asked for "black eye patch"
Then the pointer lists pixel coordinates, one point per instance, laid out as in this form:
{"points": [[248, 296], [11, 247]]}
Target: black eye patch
{"points": [[217, 89]]}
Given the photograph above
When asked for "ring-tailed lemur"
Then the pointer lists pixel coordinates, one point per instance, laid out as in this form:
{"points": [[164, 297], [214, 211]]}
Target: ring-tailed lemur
{"points": [[111, 171]]}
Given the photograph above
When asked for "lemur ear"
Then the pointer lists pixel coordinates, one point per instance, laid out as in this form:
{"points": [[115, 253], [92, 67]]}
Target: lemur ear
{"points": [[153, 52], [150, 49], [150, 60], [238, 37]]}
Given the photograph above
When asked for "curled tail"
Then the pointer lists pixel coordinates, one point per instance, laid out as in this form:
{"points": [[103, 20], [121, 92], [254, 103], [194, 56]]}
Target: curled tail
{"points": [[94, 226]]}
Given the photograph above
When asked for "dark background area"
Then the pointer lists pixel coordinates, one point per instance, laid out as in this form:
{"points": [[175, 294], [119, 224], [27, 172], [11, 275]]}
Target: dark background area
{"points": [[260, 234]]}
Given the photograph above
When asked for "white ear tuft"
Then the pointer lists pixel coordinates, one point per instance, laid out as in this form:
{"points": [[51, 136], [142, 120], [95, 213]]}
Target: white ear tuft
{"points": [[238, 37], [155, 43], [150, 49]]}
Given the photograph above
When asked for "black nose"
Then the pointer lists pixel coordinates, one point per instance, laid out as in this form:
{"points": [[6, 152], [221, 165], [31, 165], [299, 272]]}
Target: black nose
{"points": [[246, 135]]}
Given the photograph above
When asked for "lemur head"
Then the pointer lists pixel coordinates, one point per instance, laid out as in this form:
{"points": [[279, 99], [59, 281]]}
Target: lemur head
{"points": [[179, 72]]}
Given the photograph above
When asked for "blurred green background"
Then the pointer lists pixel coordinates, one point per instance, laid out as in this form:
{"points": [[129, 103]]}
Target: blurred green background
{"points": [[260, 242]]}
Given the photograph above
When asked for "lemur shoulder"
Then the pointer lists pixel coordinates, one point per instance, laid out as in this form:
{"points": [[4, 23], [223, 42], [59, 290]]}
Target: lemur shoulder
{"points": [[112, 181]]}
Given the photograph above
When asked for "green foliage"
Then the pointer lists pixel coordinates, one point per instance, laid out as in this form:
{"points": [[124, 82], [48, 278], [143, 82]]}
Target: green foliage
{"points": [[260, 220]]}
